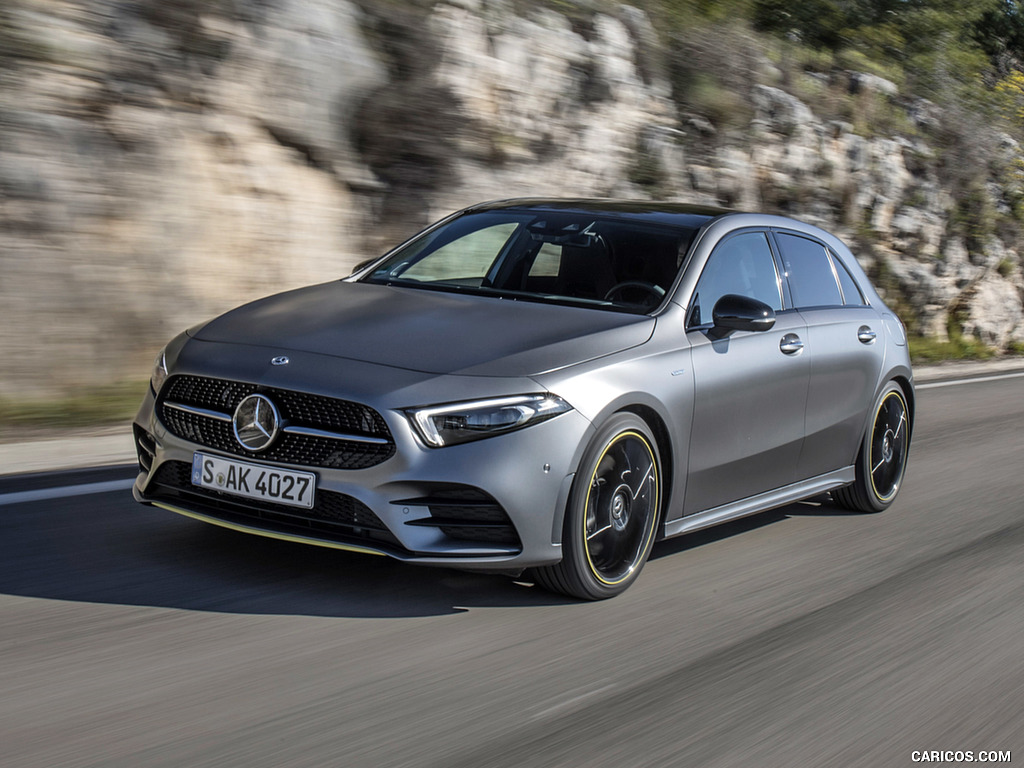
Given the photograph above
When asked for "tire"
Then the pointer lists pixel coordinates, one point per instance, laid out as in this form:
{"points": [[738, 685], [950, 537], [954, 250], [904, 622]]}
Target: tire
{"points": [[612, 513], [882, 460]]}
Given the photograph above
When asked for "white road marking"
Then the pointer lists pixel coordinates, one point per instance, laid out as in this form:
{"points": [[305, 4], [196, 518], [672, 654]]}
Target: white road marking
{"points": [[569, 703], [958, 382], [62, 492]]}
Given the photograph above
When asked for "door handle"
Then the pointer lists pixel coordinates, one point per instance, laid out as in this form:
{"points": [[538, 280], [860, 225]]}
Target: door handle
{"points": [[791, 344], [865, 335]]}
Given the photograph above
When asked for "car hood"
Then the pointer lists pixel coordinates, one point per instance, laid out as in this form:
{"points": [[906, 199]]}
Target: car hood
{"points": [[429, 331]]}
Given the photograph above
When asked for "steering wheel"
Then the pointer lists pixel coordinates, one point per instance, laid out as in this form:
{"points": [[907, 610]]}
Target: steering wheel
{"points": [[654, 290]]}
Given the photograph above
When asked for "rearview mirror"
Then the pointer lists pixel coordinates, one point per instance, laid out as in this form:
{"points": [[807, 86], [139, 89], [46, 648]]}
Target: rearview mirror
{"points": [[733, 312]]}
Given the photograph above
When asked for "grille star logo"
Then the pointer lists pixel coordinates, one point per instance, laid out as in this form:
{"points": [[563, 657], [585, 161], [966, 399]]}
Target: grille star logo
{"points": [[256, 423]]}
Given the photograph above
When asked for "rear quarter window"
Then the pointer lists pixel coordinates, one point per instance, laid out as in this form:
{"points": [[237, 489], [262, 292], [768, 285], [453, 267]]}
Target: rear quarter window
{"points": [[851, 291]]}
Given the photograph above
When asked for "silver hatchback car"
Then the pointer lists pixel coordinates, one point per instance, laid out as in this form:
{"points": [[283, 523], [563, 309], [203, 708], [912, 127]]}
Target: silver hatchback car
{"points": [[540, 384]]}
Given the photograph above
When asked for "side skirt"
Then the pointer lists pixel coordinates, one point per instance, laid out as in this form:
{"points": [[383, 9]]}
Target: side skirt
{"points": [[762, 502]]}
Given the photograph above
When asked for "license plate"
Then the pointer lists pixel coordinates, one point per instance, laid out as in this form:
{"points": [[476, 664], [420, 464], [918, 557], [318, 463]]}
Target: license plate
{"points": [[239, 478]]}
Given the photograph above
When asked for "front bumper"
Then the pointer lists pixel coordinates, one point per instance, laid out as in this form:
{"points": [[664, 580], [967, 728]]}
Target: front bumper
{"points": [[493, 504]]}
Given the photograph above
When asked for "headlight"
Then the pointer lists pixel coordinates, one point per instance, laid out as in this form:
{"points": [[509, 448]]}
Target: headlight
{"points": [[461, 422], [159, 371]]}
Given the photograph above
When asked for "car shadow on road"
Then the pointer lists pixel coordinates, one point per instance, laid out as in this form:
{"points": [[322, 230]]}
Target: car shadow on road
{"points": [[818, 506], [105, 548]]}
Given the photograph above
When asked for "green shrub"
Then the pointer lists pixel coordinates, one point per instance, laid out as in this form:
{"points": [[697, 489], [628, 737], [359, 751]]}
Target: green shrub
{"points": [[925, 349], [722, 106]]}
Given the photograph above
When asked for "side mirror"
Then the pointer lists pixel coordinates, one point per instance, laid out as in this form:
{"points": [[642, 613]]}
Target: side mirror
{"points": [[733, 312]]}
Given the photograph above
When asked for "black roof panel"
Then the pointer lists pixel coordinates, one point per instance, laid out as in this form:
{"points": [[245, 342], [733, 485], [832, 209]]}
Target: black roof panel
{"points": [[679, 214]]}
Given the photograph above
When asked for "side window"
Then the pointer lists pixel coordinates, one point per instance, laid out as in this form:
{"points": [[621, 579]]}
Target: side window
{"points": [[810, 274], [743, 265], [851, 291]]}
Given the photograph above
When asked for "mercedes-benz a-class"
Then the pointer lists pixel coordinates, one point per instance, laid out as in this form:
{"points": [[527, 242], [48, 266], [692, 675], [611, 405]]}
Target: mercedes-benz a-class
{"points": [[549, 385]]}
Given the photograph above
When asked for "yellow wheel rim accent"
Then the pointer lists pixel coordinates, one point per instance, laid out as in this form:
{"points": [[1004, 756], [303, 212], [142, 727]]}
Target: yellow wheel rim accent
{"points": [[656, 505], [872, 458], [267, 534]]}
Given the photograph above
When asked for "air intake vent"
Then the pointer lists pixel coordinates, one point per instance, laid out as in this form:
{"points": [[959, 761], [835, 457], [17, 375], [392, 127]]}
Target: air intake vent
{"points": [[467, 514]]}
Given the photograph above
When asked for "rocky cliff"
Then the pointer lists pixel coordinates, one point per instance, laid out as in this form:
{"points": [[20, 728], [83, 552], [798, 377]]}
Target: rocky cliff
{"points": [[161, 162]]}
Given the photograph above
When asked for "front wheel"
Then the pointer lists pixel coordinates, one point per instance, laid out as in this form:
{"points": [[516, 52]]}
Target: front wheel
{"points": [[612, 513], [882, 460]]}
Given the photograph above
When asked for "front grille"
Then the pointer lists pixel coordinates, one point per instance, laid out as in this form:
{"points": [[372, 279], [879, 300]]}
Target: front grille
{"points": [[466, 514], [297, 409], [336, 516]]}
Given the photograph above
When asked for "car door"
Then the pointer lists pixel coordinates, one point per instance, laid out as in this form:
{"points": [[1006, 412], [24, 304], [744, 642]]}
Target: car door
{"points": [[844, 350], [750, 387]]}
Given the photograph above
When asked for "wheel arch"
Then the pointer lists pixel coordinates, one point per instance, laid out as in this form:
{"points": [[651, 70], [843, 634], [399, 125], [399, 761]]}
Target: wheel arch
{"points": [[901, 377], [577, 574], [663, 439], [908, 394], [666, 453]]}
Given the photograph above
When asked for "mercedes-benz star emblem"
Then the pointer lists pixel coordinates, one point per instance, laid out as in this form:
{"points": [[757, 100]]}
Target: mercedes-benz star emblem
{"points": [[280, 360], [256, 423]]}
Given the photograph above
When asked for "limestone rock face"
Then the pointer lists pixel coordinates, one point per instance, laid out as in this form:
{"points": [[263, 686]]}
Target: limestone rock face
{"points": [[994, 313], [161, 162], [563, 113], [305, 65], [146, 187]]}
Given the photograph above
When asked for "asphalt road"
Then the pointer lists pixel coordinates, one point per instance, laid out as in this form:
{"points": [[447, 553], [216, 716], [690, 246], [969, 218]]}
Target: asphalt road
{"points": [[802, 637]]}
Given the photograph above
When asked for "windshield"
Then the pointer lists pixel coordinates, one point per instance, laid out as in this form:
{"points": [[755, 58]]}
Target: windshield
{"points": [[563, 257]]}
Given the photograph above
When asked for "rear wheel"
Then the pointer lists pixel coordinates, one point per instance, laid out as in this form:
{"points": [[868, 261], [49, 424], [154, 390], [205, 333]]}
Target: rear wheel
{"points": [[612, 513], [883, 456]]}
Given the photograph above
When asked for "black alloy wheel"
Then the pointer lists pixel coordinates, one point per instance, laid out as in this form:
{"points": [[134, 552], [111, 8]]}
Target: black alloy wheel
{"points": [[883, 456], [612, 515]]}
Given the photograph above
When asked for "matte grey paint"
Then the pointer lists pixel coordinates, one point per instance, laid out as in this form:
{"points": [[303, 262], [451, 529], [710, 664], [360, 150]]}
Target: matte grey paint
{"points": [[416, 329], [746, 426], [748, 422], [844, 374]]}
